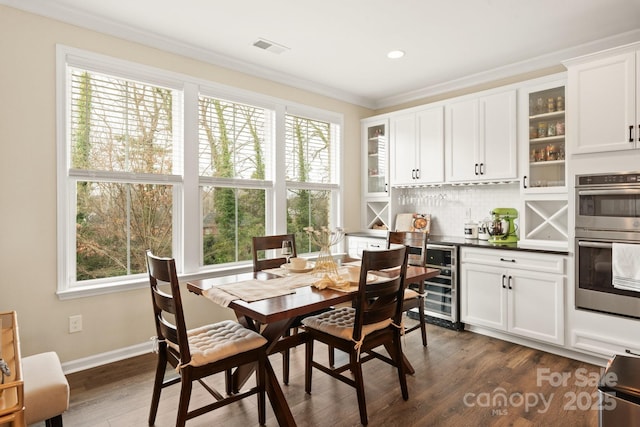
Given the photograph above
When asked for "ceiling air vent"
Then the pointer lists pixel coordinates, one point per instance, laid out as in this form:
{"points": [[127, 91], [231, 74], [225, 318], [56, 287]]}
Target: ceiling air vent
{"points": [[270, 46]]}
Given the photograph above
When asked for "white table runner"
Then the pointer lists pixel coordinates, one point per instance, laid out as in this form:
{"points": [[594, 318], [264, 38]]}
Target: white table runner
{"points": [[255, 290]]}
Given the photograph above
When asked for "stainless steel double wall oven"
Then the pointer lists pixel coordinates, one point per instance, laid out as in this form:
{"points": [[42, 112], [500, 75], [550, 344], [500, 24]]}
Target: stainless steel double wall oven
{"points": [[607, 212]]}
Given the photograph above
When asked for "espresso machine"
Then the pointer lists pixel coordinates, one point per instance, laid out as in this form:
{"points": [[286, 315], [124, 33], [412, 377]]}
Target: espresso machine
{"points": [[502, 228]]}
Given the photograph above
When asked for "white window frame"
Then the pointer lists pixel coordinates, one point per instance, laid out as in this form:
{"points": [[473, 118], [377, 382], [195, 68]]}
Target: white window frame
{"points": [[187, 184], [337, 213]]}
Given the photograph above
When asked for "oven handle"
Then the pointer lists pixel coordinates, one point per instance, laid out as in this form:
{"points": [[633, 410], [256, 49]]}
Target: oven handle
{"points": [[608, 192], [586, 244]]}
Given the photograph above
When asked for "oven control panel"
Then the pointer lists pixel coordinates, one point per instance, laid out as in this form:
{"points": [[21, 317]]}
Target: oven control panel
{"points": [[608, 179]]}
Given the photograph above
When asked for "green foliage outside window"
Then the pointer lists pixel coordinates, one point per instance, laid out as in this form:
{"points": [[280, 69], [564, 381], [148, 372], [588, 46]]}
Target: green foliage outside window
{"points": [[120, 126], [122, 137]]}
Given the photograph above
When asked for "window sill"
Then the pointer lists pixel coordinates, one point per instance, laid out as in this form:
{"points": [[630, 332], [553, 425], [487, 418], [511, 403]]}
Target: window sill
{"points": [[140, 283]]}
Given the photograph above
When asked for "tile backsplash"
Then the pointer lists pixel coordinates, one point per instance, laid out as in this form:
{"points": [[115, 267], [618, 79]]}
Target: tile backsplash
{"points": [[451, 206]]}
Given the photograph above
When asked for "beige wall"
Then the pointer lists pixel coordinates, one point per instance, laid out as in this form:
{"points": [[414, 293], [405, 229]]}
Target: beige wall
{"points": [[28, 187]]}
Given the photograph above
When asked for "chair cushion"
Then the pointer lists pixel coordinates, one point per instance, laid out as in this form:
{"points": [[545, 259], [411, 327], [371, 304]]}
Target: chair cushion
{"points": [[46, 390], [339, 322], [217, 341], [410, 294]]}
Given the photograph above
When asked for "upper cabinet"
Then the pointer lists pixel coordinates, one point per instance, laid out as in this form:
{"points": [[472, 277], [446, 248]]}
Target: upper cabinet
{"points": [[544, 209], [604, 94], [376, 214], [542, 135], [376, 158], [480, 139], [417, 147]]}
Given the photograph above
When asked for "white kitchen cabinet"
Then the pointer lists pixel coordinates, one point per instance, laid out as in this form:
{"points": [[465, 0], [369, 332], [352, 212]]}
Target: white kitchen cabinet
{"points": [[517, 292], [544, 210], [598, 341], [480, 138], [376, 207], [605, 96], [377, 215], [375, 149], [357, 243], [417, 147], [542, 132], [544, 221]]}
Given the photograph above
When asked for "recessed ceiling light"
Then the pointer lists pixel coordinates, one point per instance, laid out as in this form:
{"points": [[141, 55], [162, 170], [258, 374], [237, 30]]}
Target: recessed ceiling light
{"points": [[395, 54]]}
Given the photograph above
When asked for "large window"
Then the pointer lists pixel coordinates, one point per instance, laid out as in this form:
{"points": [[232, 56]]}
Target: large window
{"points": [[122, 161], [234, 140], [312, 176], [145, 154]]}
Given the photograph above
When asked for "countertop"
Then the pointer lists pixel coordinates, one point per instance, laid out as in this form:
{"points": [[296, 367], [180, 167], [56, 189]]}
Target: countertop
{"points": [[461, 241]]}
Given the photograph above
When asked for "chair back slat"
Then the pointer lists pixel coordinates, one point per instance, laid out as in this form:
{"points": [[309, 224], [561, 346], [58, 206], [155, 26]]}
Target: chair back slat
{"points": [[382, 299], [415, 240], [164, 301], [169, 330], [261, 245], [167, 307]]}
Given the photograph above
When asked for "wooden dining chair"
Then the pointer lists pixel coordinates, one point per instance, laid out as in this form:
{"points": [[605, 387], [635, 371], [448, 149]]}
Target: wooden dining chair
{"points": [[373, 321], [262, 246], [201, 352], [415, 292]]}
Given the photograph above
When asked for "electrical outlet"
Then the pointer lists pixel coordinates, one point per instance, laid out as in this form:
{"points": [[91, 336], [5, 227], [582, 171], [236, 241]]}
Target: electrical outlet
{"points": [[75, 323]]}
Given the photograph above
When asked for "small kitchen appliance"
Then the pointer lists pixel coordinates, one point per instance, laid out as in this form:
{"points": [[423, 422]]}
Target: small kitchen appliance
{"points": [[483, 229], [470, 230], [502, 228]]}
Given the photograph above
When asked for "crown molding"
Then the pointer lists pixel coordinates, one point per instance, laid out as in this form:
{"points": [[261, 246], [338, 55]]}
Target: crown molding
{"points": [[517, 68], [129, 33], [91, 22]]}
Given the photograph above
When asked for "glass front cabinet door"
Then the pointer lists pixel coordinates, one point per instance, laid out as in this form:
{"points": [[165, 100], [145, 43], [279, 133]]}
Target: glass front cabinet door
{"points": [[544, 165], [376, 158]]}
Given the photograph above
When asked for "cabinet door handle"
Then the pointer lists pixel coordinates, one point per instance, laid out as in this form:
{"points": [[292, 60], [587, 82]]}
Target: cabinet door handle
{"points": [[507, 260], [631, 352], [481, 168], [417, 173], [476, 169], [510, 278], [524, 181], [503, 285], [631, 133], [386, 190]]}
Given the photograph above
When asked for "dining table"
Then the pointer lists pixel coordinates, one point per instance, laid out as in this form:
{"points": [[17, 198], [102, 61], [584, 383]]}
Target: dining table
{"points": [[273, 317]]}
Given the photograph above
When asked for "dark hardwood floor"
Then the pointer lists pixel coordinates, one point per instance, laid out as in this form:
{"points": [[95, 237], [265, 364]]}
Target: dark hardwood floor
{"points": [[461, 379]]}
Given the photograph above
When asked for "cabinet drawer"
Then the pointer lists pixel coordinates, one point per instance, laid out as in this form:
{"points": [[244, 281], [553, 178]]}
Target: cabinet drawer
{"points": [[547, 263], [601, 345], [357, 244]]}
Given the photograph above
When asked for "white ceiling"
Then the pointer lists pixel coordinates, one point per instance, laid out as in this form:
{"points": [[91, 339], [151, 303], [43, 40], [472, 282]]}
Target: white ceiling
{"points": [[338, 47]]}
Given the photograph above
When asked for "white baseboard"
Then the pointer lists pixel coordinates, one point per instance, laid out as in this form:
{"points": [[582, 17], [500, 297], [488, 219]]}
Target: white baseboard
{"points": [[105, 358]]}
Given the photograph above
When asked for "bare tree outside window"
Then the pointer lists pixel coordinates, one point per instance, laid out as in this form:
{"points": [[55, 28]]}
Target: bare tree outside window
{"points": [[122, 183], [308, 155], [119, 126], [232, 145]]}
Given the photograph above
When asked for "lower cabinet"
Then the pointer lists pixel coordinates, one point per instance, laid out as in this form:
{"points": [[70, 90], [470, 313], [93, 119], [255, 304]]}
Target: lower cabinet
{"points": [[357, 244], [521, 293]]}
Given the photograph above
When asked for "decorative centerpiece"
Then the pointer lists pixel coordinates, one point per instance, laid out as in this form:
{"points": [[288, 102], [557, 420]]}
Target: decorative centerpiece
{"points": [[325, 267]]}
